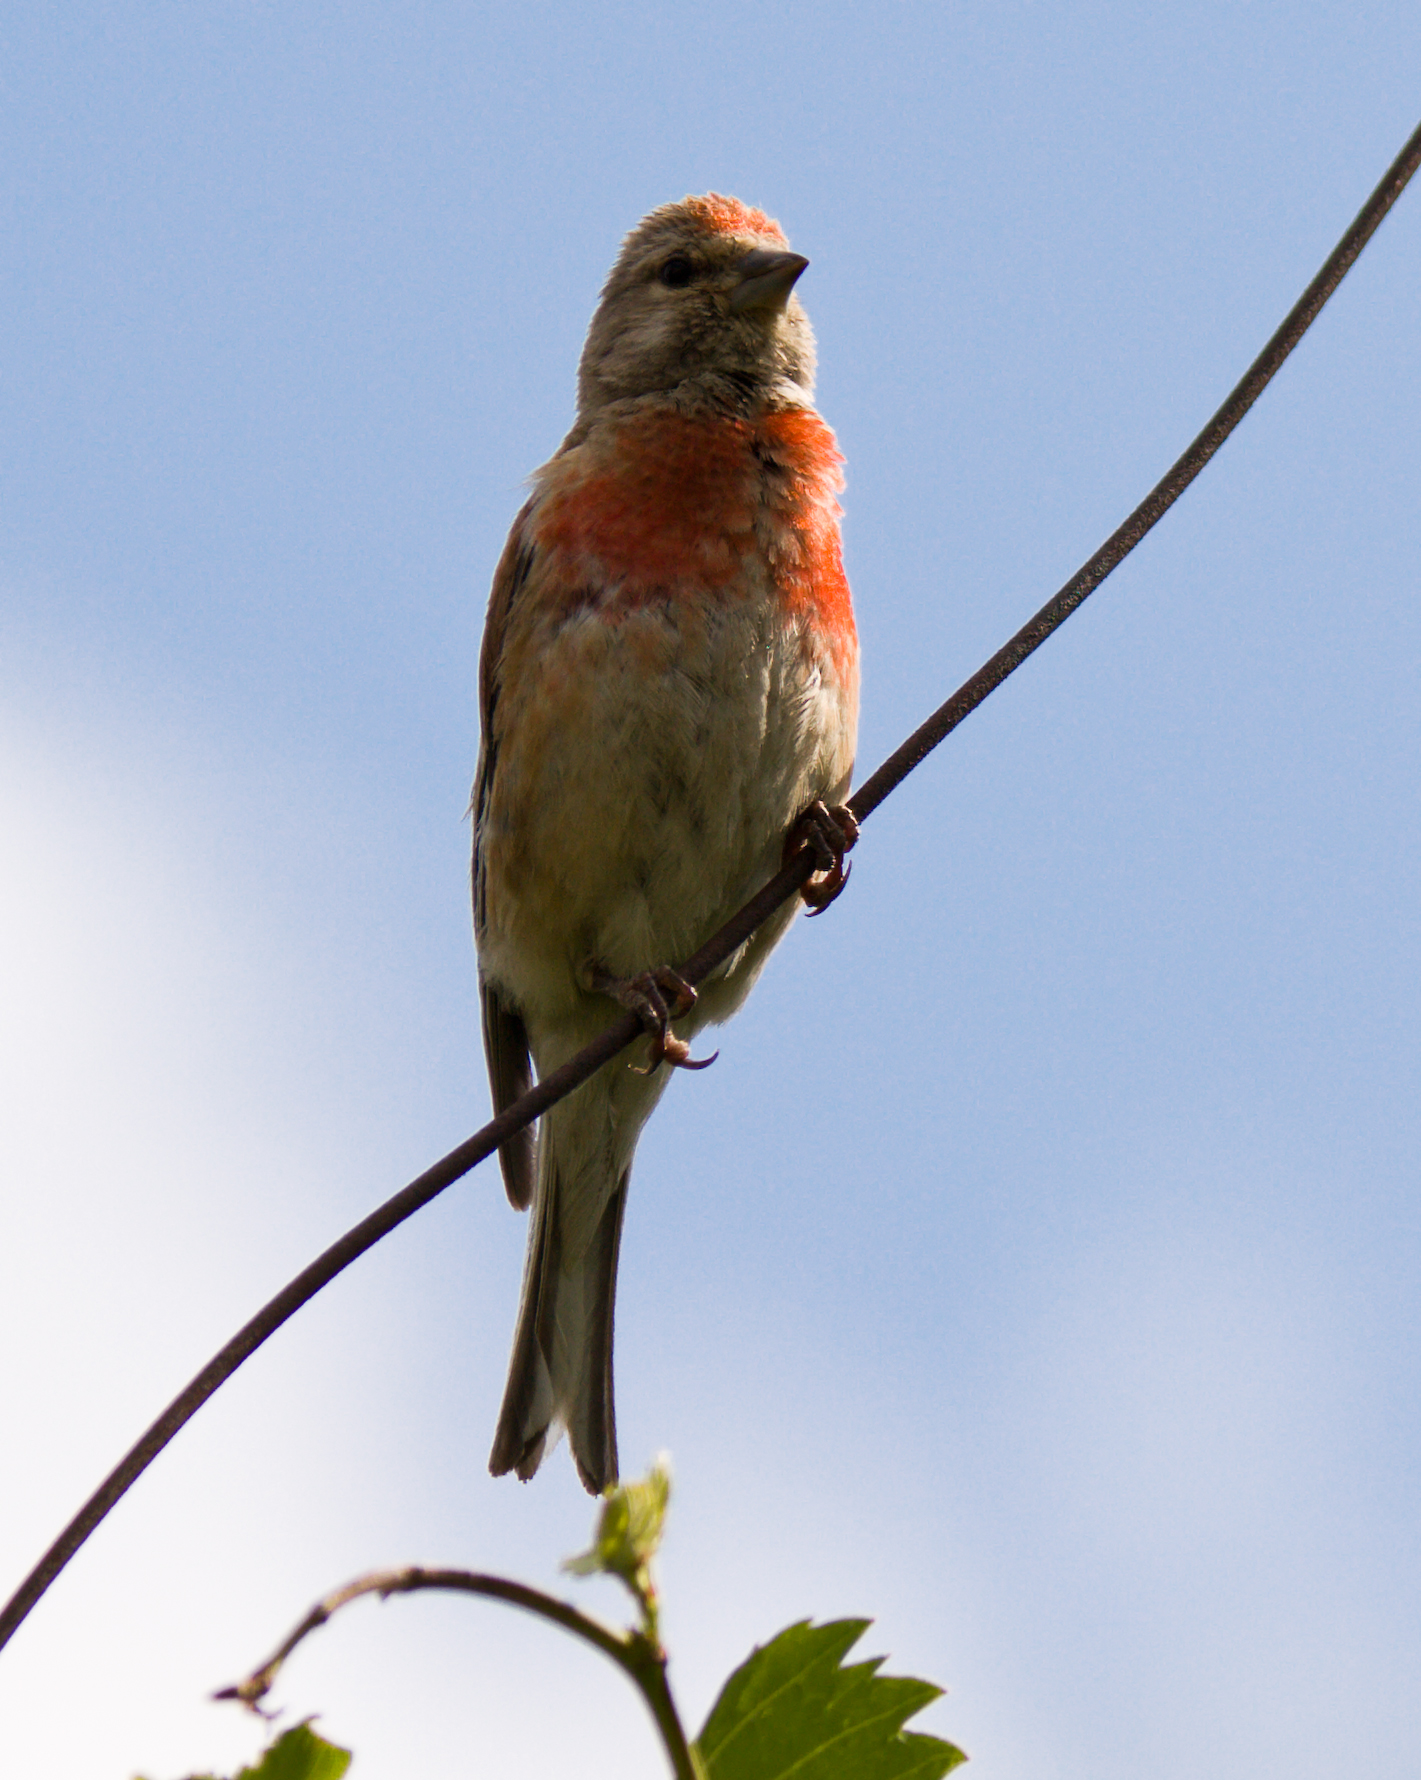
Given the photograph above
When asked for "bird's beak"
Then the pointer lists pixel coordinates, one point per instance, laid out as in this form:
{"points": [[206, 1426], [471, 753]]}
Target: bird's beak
{"points": [[765, 280]]}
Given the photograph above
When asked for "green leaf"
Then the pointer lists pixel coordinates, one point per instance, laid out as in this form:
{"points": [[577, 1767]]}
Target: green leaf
{"points": [[792, 1708], [628, 1535], [298, 1754], [629, 1527]]}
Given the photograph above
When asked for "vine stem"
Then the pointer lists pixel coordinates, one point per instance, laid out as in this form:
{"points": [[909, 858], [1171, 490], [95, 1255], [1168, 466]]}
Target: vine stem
{"points": [[638, 1656], [624, 1030]]}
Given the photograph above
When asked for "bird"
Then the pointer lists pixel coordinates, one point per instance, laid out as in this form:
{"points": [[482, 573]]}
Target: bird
{"points": [[668, 698]]}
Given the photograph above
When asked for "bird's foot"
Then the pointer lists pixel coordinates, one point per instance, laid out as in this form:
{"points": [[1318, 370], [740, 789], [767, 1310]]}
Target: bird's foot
{"points": [[656, 997], [829, 834]]}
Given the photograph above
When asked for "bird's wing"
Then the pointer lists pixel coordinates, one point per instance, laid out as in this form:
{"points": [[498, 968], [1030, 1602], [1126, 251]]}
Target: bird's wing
{"points": [[510, 1074], [510, 1069]]}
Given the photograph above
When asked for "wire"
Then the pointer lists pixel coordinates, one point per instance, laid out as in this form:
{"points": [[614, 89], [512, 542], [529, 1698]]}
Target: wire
{"points": [[741, 925]]}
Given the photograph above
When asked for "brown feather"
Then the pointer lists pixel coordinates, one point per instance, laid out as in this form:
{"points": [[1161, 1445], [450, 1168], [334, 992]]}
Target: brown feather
{"points": [[510, 1071], [583, 1400], [510, 1075]]}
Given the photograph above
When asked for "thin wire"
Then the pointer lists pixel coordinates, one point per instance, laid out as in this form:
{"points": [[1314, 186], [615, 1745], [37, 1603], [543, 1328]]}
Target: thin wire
{"points": [[1155, 504], [738, 929]]}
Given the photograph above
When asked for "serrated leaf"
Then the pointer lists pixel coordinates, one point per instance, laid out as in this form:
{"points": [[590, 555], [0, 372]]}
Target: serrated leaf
{"points": [[793, 1708]]}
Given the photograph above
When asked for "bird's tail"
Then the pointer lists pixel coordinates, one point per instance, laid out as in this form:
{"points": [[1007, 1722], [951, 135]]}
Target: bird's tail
{"points": [[560, 1373]]}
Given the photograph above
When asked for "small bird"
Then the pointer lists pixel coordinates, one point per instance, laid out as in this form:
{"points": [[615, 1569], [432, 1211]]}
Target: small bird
{"points": [[668, 693]]}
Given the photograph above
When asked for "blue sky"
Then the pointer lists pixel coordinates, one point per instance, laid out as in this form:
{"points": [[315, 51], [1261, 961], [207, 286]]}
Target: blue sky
{"points": [[1037, 1269]]}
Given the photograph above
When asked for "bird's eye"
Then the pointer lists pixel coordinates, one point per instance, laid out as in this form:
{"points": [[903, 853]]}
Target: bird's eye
{"points": [[677, 272]]}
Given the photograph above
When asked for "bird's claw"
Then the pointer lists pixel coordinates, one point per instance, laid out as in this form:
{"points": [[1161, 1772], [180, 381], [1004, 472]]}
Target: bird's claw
{"points": [[656, 997], [829, 834]]}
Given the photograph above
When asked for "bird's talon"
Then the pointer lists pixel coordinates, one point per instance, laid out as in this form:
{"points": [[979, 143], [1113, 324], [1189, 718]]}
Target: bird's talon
{"points": [[667, 1048], [829, 834], [820, 894], [679, 995], [656, 997]]}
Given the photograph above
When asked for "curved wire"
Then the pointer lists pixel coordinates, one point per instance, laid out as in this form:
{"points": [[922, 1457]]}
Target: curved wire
{"points": [[738, 929]]}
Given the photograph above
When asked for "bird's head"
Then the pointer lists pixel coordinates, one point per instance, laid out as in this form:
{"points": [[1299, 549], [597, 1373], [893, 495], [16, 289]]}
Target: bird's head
{"points": [[700, 307]]}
